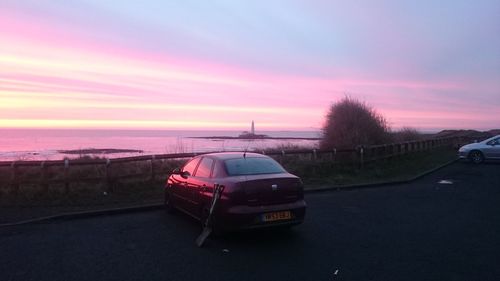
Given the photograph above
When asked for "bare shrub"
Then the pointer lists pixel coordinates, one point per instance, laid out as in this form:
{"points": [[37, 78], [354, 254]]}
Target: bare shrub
{"points": [[407, 134], [351, 123]]}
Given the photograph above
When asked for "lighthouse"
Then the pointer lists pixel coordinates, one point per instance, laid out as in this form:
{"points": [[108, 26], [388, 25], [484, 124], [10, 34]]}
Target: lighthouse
{"points": [[251, 134]]}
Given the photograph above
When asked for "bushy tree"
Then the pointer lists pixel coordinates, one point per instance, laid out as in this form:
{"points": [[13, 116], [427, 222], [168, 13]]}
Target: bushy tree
{"points": [[351, 123]]}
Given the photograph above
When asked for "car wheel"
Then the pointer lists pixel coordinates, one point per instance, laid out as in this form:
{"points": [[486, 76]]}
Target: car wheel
{"points": [[476, 156], [168, 202]]}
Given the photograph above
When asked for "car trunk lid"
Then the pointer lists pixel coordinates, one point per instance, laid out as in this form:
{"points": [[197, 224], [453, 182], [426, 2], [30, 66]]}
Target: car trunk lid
{"points": [[272, 189]]}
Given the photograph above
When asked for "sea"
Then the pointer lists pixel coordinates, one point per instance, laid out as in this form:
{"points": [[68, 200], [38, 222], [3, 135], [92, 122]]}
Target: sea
{"points": [[54, 144]]}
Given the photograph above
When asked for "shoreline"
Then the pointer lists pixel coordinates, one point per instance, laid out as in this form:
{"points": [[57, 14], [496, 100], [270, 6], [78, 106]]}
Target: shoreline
{"points": [[51, 147], [99, 151], [254, 138]]}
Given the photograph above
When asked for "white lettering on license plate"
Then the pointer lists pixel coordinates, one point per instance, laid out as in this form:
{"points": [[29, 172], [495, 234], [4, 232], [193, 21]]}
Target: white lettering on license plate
{"points": [[276, 216]]}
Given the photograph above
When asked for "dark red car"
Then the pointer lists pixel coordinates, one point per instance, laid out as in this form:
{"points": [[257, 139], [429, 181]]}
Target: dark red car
{"points": [[258, 191]]}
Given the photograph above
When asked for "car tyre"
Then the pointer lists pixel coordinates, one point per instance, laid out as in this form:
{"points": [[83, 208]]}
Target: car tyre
{"points": [[476, 156]]}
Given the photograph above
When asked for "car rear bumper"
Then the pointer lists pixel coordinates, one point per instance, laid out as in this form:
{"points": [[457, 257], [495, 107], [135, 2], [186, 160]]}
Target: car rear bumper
{"points": [[250, 217]]}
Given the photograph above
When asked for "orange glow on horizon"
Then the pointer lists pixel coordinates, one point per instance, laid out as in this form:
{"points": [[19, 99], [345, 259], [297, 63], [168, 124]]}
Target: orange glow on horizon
{"points": [[123, 124], [52, 81]]}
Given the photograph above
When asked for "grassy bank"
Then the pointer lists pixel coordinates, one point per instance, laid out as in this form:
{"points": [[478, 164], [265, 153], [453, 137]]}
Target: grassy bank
{"points": [[398, 168], [315, 173], [30, 202]]}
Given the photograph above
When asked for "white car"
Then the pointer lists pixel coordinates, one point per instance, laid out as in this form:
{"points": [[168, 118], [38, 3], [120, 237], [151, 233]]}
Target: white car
{"points": [[480, 151]]}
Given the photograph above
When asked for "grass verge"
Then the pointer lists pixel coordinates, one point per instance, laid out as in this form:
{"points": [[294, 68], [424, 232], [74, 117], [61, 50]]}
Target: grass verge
{"points": [[315, 174], [393, 169]]}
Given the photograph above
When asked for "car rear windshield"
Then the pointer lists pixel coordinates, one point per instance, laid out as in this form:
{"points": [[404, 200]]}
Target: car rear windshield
{"points": [[252, 166]]}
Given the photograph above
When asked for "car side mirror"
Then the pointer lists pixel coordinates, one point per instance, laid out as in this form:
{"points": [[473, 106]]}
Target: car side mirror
{"points": [[185, 174]]}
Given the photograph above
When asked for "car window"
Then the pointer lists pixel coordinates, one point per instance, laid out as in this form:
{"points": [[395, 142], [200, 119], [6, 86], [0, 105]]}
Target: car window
{"points": [[191, 166], [216, 170], [494, 141], [204, 168], [252, 166]]}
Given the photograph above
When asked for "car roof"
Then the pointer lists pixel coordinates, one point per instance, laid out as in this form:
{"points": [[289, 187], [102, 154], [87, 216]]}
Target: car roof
{"points": [[492, 138], [234, 155]]}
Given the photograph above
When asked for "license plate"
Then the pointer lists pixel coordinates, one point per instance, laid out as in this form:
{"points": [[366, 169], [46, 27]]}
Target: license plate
{"points": [[276, 216]]}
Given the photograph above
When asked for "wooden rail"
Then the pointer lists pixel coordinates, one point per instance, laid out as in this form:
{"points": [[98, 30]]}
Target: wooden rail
{"points": [[152, 166]]}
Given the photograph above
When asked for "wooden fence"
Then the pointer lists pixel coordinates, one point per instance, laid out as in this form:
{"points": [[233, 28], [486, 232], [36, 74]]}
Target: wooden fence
{"points": [[151, 168]]}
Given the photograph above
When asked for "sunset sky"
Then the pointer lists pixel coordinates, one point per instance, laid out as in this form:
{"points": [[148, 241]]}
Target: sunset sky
{"points": [[221, 64]]}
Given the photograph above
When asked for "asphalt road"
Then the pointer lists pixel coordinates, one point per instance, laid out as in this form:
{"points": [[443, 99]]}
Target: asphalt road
{"points": [[418, 231]]}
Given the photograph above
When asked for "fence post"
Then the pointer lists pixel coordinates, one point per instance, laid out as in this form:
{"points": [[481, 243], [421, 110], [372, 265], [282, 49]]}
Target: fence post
{"points": [[43, 178], [315, 156], [14, 177], [313, 159], [152, 169], [66, 176], [361, 157], [109, 183]]}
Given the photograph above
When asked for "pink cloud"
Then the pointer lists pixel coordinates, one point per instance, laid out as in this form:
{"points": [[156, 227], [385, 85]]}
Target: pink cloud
{"points": [[47, 63]]}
